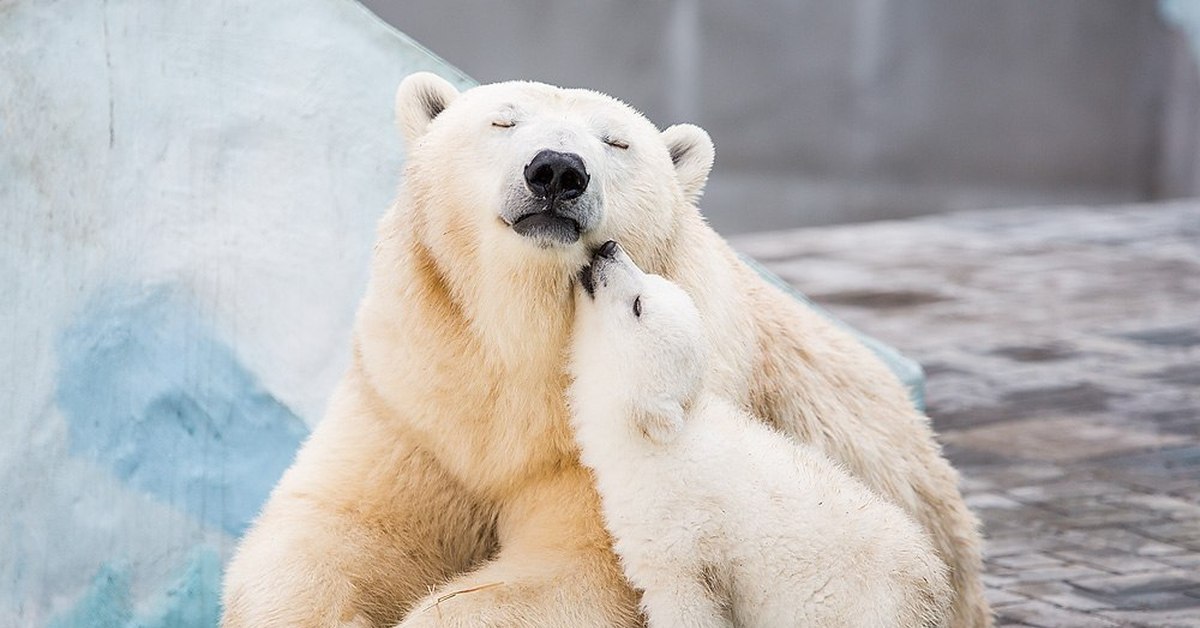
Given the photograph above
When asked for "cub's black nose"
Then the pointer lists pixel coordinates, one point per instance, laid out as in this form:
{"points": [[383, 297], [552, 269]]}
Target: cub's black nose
{"points": [[608, 249], [556, 175]]}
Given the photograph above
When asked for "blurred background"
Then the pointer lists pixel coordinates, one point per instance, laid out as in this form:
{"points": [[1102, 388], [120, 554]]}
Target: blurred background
{"points": [[829, 112]]}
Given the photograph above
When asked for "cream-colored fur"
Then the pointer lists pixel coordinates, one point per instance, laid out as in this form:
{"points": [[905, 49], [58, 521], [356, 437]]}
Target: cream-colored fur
{"points": [[443, 486], [718, 519]]}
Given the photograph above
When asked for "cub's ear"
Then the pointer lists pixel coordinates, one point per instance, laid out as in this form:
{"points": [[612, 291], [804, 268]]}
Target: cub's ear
{"points": [[419, 99], [659, 421], [692, 151]]}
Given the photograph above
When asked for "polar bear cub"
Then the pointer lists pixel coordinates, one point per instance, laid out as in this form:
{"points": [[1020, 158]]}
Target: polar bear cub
{"points": [[717, 518]]}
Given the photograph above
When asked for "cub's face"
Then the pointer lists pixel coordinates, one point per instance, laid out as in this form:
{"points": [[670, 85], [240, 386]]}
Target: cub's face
{"points": [[544, 168], [638, 340]]}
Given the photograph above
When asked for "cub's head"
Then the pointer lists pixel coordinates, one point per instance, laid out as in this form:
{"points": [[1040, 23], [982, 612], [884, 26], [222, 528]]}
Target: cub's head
{"points": [[536, 171], [638, 348]]}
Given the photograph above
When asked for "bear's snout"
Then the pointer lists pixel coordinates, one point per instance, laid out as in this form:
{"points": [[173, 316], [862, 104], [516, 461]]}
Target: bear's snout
{"points": [[556, 211], [556, 176]]}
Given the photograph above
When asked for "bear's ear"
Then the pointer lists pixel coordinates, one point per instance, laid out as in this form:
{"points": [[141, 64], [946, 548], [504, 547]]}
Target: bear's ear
{"points": [[692, 152], [659, 421], [419, 99]]}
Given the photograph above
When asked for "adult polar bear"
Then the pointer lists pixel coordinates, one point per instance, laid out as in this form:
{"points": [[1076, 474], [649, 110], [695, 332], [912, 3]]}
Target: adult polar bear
{"points": [[443, 486]]}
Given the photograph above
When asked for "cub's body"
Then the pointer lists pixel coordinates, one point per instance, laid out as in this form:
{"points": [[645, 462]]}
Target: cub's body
{"points": [[717, 517]]}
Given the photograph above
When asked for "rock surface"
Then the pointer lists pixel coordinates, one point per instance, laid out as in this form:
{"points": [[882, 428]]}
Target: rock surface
{"points": [[188, 196]]}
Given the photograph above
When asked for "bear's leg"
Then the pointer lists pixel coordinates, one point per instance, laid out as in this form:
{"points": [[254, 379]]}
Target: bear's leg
{"points": [[683, 600], [358, 529], [555, 567]]}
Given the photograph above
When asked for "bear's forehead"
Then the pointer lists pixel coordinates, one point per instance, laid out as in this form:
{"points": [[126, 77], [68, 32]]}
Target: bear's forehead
{"points": [[532, 97]]}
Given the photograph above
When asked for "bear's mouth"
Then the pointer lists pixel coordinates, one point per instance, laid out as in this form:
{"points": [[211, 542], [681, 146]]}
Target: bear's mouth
{"points": [[548, 226]]}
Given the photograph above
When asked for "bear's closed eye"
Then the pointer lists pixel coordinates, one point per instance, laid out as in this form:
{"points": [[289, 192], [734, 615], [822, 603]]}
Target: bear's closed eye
{"points": [[615, 143]]}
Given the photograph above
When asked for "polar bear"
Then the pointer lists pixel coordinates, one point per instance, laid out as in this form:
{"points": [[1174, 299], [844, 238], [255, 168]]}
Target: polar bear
{"points": [[443, 486], [717, 518]]}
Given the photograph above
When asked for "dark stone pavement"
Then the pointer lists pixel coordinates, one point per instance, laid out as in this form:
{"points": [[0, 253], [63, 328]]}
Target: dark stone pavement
{"points": [[1062, 349]]}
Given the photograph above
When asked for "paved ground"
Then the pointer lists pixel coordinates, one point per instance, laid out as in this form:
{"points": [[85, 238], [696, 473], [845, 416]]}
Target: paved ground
{"points": [[1062, 348]]}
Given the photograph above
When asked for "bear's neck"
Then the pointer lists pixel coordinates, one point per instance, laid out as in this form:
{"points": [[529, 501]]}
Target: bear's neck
{"points": [[517, 315], [469, 362]]}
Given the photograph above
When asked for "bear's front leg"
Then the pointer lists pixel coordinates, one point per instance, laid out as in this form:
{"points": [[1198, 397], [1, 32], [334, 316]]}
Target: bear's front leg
{"points": [[684, 602], [359, 528], [555, 567]]}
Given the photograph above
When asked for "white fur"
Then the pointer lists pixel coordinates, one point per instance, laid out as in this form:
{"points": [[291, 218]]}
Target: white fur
{"points": [[717, 517]]}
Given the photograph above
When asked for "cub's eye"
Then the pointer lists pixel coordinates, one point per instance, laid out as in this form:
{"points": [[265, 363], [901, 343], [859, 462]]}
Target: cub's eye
{"points": [[504, 124], [616, 143], [637, 307]]}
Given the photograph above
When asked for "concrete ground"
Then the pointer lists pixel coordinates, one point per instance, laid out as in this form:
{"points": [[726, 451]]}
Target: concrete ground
{"points": [[1062, 348]]}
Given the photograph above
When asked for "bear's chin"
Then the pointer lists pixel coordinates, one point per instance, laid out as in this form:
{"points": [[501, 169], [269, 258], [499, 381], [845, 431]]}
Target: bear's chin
{"points": [[548, 229]]}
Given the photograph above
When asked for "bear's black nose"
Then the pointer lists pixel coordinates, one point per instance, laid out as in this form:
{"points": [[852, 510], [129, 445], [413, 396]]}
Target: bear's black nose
{"points": [[555, 175]]}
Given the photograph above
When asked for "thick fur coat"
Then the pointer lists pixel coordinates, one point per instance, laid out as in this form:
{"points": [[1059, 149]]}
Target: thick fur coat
{"points": [[443, 486]]}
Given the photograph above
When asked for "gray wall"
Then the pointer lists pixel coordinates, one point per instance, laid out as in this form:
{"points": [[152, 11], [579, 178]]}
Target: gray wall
{"points": [[1178, 167], [838, 111]]}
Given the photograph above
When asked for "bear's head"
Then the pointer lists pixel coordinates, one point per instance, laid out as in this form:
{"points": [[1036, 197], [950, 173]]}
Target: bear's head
{"points": [[531, 173], [639, 350]]}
